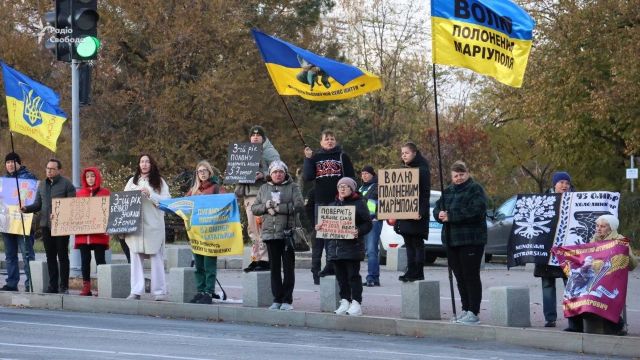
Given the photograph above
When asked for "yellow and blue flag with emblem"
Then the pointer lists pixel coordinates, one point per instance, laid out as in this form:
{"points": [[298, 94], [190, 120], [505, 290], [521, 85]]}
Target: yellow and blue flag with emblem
{"points": [[490, 37], [212, 223], [34, 109], [299, 72]]}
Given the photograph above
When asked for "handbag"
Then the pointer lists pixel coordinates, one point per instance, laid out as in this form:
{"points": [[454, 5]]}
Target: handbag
{"points": [[297, 236]]}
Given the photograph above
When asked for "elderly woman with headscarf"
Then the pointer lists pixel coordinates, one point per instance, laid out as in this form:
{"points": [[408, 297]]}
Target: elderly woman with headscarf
{"points": [[606, 229]]}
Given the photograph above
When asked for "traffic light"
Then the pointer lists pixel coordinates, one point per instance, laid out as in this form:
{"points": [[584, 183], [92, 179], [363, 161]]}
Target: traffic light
{"points": [[60, 39], [84, 26]]}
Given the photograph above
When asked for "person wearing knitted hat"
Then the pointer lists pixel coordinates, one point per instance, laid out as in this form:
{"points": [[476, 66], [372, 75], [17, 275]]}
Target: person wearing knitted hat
{"points": [[248, 193], [12, 242], [346, 254], [548, 274], [369, 191], [278, 202]]}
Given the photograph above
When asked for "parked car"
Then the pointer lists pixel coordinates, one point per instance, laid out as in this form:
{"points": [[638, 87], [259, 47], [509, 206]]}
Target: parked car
{"points": [[499, 224]]}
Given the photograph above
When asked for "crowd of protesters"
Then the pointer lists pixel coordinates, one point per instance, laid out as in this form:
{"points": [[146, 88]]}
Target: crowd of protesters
{"points": [[273, 204]]}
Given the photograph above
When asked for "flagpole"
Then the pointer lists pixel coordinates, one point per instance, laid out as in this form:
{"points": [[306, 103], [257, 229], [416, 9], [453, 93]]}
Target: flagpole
{"points": [[293, 121], [23, 248], [446, 224]]}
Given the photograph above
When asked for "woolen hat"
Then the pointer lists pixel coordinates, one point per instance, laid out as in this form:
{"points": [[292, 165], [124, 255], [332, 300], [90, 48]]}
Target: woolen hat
{"points": [[560, 175], [12, 157], [257, 129], [349, 182], [278, 165], [369, 169]]}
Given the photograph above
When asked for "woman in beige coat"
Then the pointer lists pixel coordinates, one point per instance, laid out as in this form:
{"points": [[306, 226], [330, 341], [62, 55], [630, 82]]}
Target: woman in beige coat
{"points": [[148, 241]]}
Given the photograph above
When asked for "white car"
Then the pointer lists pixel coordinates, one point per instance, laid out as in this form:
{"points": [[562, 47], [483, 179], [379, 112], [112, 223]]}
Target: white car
{"points": [[433, 247]]}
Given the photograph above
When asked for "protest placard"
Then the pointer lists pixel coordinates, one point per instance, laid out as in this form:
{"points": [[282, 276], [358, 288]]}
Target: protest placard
{"points": [[125, 211], [243, 161], [11, 219], [83, 215], [338, 222], [398, 194]]}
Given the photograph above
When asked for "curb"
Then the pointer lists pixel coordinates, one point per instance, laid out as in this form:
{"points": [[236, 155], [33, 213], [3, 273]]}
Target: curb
{"points": [[606, 345]]}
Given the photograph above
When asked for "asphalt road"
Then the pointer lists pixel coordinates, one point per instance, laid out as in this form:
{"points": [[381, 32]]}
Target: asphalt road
{"points": [[41, 334]]}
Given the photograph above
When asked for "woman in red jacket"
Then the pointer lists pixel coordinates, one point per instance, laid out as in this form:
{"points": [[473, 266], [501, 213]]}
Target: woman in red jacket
{"points": [[91, 180]]}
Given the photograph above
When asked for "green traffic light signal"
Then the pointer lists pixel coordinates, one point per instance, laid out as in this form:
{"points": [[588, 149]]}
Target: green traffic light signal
{"points": [[88, 47]]}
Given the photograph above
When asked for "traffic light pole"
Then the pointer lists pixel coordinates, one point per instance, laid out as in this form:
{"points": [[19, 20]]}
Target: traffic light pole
{"points": [[75, 261]]}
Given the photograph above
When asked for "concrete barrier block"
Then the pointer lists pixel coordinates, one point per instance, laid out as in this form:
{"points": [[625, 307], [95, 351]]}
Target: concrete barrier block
{"points": [[509, 306], [329, 294], [178, 256], [233, 263], [420, 300], [182, 284], [397, 259], [256, 289], [107, 259], [39, 275], [246, 256], [114, 280]]}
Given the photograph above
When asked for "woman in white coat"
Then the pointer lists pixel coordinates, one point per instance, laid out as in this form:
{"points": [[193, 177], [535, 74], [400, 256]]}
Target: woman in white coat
{"points": [[149, 240]]}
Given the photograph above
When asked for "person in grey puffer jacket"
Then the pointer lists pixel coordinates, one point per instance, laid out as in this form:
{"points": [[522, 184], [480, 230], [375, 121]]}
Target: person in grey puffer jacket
{"points": [[277, 202]]}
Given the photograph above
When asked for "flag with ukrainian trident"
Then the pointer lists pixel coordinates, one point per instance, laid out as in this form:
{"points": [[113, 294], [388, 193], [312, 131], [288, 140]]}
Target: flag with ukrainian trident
{"points": [[212, 223], [34, 109]]}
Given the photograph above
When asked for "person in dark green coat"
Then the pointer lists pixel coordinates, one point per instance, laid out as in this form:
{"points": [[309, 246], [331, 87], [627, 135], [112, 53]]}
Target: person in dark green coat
{"points": [[462, 209]]}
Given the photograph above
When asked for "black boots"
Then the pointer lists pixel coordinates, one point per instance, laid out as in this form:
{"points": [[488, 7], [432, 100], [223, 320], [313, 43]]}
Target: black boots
{"points": [[257, 266]]}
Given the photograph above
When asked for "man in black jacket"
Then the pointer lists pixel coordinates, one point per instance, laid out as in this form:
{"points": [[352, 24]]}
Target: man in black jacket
{"points": [[56, 247]]}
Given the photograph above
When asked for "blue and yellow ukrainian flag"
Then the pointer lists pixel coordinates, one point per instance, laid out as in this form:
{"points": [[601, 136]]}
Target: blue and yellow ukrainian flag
{"points": [[490, 37], [34, 109], [212, 223], [296, 71]]}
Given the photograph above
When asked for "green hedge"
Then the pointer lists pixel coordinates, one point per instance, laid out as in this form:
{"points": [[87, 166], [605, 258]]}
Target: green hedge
{"points": [[630, 218]]}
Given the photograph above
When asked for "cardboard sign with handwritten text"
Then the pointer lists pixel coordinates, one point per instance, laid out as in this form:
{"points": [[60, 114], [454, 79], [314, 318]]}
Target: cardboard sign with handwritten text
{"points": [[338, 222], [83, 215], [398, 194]]}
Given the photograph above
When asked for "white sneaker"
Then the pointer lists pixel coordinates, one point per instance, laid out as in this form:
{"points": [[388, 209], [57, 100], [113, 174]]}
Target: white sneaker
{"points": [[161, 297], [342, 309], [275, 306], [133, 297], [461, 316], [470, 319], [286, 307], [355, 309]]}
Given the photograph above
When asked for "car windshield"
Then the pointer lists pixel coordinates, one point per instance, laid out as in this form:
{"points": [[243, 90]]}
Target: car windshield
{"points": [[506, 209], [433, 198]]}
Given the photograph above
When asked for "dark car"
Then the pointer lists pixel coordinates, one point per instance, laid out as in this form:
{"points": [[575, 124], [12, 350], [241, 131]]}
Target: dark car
{"points": [[499, 224]]}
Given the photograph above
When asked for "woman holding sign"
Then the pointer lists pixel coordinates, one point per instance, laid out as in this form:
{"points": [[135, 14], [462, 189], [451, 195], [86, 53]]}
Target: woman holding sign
{"points": [[462, 208], [205, 183], [346, 253], [91, 180], [148, 241], [277, 202], [415, 230]]}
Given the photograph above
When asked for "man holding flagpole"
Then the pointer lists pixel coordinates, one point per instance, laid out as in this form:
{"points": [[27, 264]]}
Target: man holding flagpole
{"points": [[15, 242]]}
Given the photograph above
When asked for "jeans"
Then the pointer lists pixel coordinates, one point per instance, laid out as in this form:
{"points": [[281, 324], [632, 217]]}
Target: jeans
{"points": [[206, 271], [13, 243], [281, 257], [371, 242], [85, 258], [349, 279], [549, 305], [465, 261]]}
